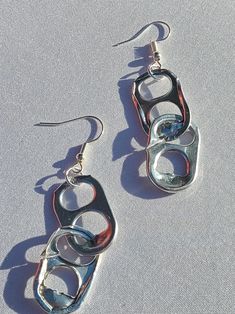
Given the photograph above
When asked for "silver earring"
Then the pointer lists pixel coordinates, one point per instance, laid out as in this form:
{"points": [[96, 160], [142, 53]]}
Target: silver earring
{"points": [[164, 131], [91, 245]]}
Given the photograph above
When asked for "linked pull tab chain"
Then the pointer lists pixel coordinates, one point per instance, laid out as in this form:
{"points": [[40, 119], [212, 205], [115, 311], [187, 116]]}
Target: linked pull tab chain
{"points": [[164, 130], [87, 245]]}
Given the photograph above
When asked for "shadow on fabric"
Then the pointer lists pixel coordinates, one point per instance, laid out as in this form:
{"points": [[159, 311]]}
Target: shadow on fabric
{"points": [[131, 180], [22, 270]]}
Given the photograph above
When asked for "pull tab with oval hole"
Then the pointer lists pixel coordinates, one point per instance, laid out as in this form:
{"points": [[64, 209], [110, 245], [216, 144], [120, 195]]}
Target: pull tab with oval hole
{"points": [[99, 204], [53, 301], [157, 146], [174, 95]]}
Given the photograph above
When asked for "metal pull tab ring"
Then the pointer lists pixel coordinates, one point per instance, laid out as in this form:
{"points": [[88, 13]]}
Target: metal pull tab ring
{"points": [[156, 147], [53, 301], [99, 204], [175, 95]]}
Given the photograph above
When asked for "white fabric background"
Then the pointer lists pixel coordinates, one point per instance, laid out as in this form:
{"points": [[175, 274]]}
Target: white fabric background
{"points": [[173, 253]]}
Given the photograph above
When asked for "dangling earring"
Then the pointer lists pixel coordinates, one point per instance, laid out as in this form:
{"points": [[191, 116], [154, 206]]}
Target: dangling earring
{"points": [[164, 131], [91, 245]]}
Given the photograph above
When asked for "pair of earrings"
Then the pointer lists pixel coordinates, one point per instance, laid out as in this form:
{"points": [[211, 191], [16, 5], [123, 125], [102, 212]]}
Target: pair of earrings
{"points": [[164, 134]]}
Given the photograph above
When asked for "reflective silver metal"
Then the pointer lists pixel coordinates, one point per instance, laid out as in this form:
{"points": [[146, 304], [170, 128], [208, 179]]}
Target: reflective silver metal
{"points": [[169, 127], [175, 95], [162, 131], [157, 146], [91, 245], [77, 168], [158, 24], [53, 301], [99, 204]]}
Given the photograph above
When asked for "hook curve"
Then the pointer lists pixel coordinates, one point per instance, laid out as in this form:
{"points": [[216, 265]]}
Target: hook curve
{"points": [[53, 124], [143, 29], [78, 167]]}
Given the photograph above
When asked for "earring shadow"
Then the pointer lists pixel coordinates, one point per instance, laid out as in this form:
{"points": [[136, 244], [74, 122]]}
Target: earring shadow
{"points": [[131, 180], [22, 270]]}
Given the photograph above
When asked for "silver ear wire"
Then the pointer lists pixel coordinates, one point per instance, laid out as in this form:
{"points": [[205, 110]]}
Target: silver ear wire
{"points": [[143, 29], [76, 169]]}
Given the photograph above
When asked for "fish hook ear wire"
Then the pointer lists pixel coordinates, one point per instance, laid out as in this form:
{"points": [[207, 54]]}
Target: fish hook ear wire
{"points": [[143, 29], [78, 167], [153, 43]]}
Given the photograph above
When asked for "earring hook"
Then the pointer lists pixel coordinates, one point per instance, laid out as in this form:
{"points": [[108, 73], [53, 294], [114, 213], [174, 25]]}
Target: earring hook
{"points": [[72, 172], [143, 29]]}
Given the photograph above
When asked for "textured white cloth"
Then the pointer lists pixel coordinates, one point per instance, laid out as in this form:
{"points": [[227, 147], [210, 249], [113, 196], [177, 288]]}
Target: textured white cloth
{"points": [[173, 253]]}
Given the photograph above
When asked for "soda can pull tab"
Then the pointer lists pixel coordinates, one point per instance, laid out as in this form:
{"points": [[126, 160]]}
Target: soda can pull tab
{"points": [[99, 204], [157, 146], [53, 301]]}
